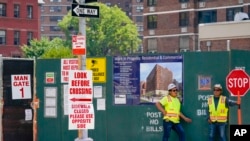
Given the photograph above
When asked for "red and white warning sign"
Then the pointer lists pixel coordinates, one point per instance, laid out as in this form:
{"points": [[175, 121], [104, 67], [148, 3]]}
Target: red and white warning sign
{"points": [[80, 91], [66, 66], [81, 116], [79, 45], [21, 86]]}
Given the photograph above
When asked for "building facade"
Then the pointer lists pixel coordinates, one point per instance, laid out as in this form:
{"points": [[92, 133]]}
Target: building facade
{"points": [[19, 24], [173, 26], [52, 12]]}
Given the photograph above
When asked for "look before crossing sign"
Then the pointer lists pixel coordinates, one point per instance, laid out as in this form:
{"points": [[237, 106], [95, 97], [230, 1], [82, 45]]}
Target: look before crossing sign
{"points": [[80, 90], [21, 86]]}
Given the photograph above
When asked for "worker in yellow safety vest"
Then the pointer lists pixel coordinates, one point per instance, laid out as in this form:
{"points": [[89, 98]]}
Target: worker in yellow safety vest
{"points": [[217, 112], [170, 107]]}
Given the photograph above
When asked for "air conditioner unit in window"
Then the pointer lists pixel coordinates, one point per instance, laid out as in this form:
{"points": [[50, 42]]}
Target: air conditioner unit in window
{"points": [[240, 1], [41, 2], [152, 51], [151, 9], [151, 32], [184, 50], [202, 4], [183, 29], [184, 5]]}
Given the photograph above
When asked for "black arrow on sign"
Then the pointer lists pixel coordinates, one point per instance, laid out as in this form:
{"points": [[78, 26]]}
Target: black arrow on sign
{"points": [[86, 1]]}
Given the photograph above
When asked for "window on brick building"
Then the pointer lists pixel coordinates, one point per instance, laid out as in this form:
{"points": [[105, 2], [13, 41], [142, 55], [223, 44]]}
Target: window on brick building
{"points": [[2, 37], [248, 10], [29, 37], [209, 16], [55, 9], [55, 0], [184, 43], [16, 37], [139, 18], [55, 18], [152, 22], [139, 8], [54, 28], [152, 2], [68, 8], [183, 0], [42, 18], [42, 28], [232, 11], [16, 10], [183, 19], [152, 45], [2, 9], [29, 12], [139, 28]]}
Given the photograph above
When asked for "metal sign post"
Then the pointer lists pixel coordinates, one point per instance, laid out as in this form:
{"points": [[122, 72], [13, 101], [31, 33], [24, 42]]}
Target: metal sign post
{"points": [[82, 134], [80, 10]]}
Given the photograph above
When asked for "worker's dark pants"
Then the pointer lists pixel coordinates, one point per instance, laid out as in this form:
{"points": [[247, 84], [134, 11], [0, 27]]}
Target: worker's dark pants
{"points": [[177, 127]]}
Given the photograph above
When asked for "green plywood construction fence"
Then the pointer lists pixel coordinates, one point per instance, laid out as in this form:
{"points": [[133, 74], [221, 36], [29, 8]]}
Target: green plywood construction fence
{"points": [[144, 122]]}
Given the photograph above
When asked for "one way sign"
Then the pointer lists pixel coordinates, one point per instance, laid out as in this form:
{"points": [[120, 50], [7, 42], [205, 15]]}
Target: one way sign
{"points": [[85, 11]]}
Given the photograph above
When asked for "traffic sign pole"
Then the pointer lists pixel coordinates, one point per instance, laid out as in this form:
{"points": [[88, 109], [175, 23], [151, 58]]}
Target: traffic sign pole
{"points": [[238, 84], [82, 134], [239, 109]]}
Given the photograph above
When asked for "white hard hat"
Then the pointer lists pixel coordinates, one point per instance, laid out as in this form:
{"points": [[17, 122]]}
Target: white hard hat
{"points": [[218, 86], [171, 86]]}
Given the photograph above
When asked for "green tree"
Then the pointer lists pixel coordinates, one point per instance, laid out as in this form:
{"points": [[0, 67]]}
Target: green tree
{"points": [[113, 33], [45, 48], [57, 49], [36, 48]]}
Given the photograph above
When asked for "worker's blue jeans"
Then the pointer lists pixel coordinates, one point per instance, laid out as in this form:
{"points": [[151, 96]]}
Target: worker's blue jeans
{"points": [[221, 127], [177, 127]]}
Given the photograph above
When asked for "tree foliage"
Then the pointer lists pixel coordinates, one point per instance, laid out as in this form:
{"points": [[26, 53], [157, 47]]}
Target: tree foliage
{"points": [[45, 48], [36, 48], [113, 33]]}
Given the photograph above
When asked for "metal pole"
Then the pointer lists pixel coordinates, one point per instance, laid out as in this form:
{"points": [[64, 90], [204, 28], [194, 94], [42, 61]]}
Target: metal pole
{"points": [[82, 134]]}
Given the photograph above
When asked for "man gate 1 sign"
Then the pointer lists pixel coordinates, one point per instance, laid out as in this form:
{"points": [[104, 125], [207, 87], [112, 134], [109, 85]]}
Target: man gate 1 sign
{"points": [[237, 82]]}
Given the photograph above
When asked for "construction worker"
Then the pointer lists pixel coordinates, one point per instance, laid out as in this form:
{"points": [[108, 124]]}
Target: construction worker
{"points": [[170, 106], [217, 112]]}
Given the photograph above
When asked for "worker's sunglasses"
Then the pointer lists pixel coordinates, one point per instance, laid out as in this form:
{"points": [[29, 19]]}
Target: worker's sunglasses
{"points": [[173, 90], [217, 89]]}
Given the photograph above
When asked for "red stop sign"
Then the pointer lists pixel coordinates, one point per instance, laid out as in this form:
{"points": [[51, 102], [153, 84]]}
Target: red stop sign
{"points": [[237, 82]]}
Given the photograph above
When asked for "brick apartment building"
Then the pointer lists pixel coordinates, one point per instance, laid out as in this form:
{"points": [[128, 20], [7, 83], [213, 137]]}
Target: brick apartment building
{"points": [[19, 24], [173, 26], [52, 12]]}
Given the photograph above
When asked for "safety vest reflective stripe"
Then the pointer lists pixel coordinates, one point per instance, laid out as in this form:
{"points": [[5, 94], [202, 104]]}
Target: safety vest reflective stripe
{"points": [[172, 115], [218, 117]]}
